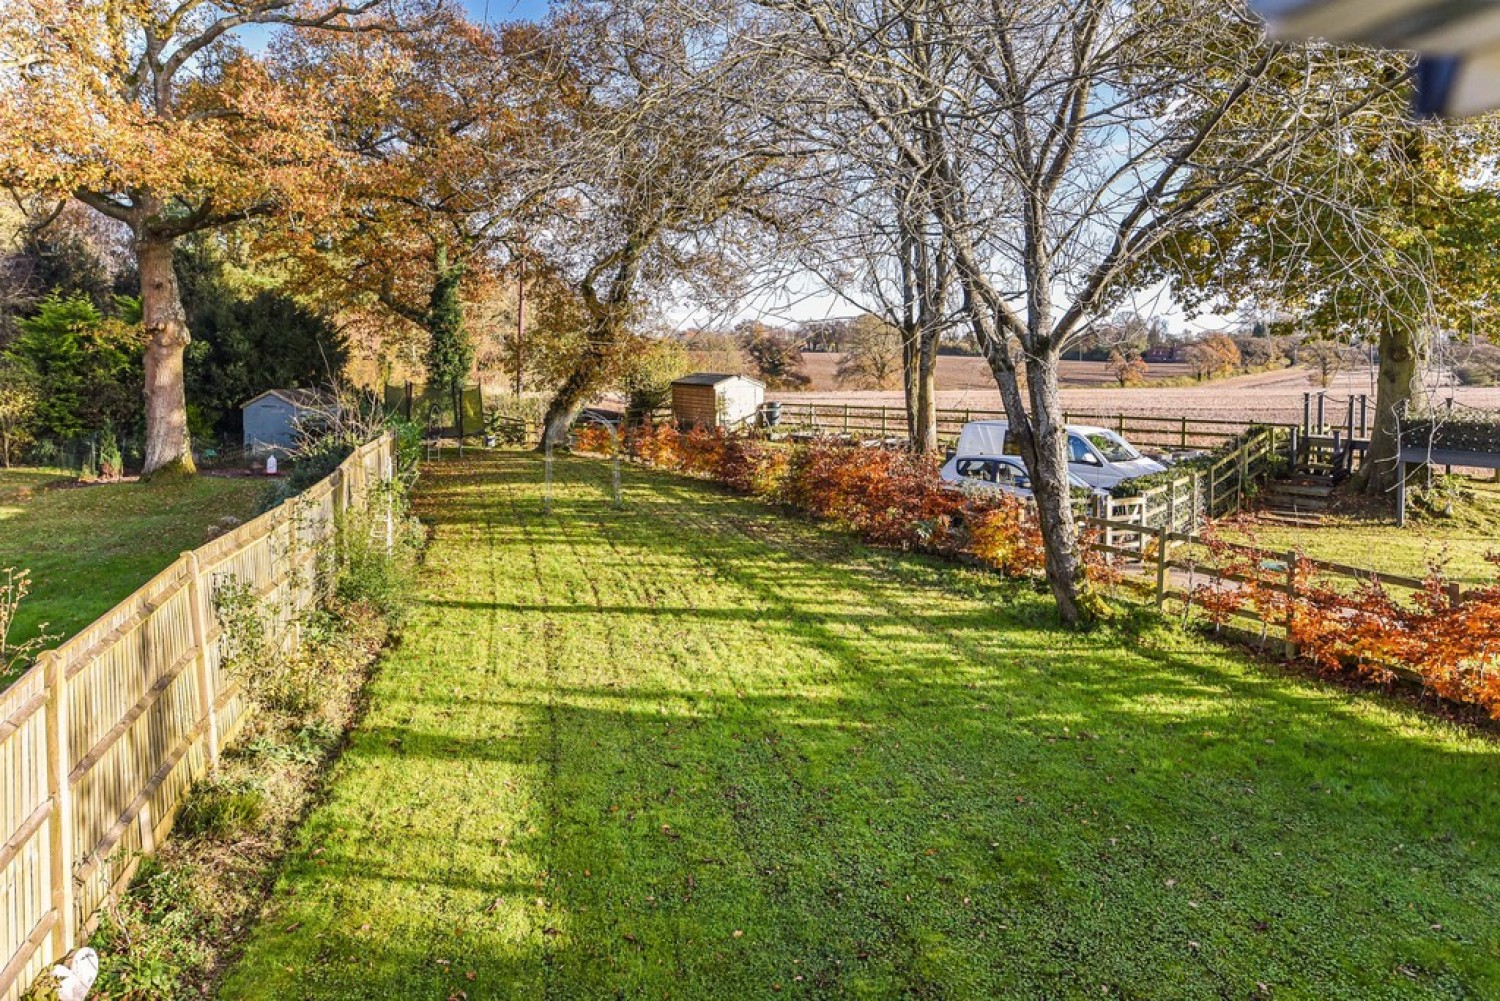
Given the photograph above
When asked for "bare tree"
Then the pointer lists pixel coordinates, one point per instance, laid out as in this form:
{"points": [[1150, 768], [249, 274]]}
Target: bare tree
{"points": [[657, 180], [1056, 146]]}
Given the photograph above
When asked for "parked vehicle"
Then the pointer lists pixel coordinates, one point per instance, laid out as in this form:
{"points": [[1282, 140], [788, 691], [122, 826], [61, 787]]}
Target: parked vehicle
{"points": [[1006, 473], [1097, 456]]}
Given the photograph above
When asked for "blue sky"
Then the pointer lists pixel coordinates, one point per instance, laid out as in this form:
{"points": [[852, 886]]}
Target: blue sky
{"points": [[507, 10]]}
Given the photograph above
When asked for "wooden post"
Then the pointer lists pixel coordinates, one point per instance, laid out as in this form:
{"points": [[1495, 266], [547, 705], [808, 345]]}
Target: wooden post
{"points": [[60, 822], [1239, 495], [1197, 500], [1161, 566], [1400, 494], [1455, 594], [1183, 439], [846, 418], [202, 665], [1291, 603], [882, 421]]}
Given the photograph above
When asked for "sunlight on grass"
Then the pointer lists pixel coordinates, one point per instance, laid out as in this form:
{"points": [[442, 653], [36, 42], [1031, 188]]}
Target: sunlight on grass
{"points": [[88, 547], [695, 749]]}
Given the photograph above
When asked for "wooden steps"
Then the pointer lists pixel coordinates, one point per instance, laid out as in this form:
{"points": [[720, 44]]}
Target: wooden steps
{"points": [[1297, 500]]}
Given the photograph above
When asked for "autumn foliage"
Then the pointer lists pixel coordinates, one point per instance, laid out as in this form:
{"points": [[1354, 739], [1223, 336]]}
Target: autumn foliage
{"points": [[1358, 628], [887, 496], [1447, 640]]}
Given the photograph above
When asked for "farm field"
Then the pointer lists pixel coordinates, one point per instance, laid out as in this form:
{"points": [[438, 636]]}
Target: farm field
{"points": [[971, 373], [691, 748], [1264, 396], [88, 547]]}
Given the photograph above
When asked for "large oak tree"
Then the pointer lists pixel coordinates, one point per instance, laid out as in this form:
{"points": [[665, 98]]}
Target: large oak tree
{"points": [[152, 113]]}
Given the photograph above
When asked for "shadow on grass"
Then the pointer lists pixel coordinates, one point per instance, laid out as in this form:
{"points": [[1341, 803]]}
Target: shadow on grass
{"points": [[861, 775]]}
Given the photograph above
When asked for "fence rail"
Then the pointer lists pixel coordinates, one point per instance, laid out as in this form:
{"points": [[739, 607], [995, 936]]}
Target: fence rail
{"points": [[102, 737], [884, 422], [1167, 555], [1185, 501]]}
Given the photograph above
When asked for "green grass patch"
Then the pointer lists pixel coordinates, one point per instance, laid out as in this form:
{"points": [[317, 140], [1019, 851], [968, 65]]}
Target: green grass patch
{"points": [[88, 547], [694, 749], [1459, 538]]}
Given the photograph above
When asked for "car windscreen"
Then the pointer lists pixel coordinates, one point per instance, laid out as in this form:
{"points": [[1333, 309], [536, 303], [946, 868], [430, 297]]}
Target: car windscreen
{"points": [[1112, 447]]}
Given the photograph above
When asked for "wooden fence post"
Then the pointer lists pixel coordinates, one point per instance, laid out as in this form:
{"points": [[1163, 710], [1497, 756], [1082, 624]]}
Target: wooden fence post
{"points": [[1161, 567], [60, 822], [1197, 500], [1239, 494], [1291, 604], [1183, 440], [388, 487], [1455, 594], [207, 696]]}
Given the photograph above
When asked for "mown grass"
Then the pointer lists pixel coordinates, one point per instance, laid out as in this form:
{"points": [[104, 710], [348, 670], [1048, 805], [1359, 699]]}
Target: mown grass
{"points": [[1459, 539], [88, 547], [691, 749]]}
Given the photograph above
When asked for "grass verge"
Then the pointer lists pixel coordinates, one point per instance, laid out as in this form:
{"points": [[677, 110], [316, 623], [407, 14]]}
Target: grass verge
{"points": [[1459, 530], [88, 547], [693, 749], [173, 933]]}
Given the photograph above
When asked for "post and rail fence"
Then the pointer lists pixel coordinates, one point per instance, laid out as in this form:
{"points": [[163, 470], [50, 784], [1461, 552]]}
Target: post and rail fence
{"points": [[102, 738]]}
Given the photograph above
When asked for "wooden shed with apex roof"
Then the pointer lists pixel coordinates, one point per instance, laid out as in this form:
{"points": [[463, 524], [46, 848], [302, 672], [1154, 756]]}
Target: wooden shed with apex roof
{"points": [[713, 399]]}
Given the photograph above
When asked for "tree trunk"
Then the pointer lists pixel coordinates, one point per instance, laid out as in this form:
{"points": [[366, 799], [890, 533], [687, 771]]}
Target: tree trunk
{"points": [[567, 403], [918, 384], [1042, 436], [924, 415], [1396, 375], [168, 449], [1051, 488]]}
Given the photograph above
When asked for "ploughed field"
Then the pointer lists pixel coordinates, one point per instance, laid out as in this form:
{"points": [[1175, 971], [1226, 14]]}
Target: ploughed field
{"points": [[691, 748], [1271, 397]]}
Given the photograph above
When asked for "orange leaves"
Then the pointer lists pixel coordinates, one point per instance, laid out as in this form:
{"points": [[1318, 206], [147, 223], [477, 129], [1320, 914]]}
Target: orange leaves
{"points": [[889, 497], [1450, 643]]}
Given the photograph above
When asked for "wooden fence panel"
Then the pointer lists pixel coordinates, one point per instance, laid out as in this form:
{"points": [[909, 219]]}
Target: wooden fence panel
{"points": [[102, 738]]}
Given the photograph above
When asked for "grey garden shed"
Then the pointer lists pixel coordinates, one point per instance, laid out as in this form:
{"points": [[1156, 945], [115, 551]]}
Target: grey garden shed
{"points": [[271, 418]]}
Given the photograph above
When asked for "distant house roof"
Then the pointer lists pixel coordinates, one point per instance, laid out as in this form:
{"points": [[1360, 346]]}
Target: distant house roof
{"points": [[712, 379], [302, 399]]}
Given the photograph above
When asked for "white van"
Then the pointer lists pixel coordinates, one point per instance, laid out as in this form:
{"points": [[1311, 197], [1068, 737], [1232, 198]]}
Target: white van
{"points": [[1096, 455]]}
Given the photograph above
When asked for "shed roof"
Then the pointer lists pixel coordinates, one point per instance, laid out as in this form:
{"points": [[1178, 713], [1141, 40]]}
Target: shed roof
{"points": [[712, 379], [302, 399]]}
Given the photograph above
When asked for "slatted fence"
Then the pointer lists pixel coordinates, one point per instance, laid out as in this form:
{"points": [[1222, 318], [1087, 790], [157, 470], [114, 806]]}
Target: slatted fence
{"points": [[102, 737]]}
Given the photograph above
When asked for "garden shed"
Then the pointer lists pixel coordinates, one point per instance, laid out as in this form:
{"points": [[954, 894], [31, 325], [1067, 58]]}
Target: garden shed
{"points": [[713, 399], [271, 418]]}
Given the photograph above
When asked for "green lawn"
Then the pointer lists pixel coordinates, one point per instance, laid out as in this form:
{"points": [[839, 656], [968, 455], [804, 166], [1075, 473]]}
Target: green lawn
{"points": [[691, 749], [1460, 541], [89, 546]]}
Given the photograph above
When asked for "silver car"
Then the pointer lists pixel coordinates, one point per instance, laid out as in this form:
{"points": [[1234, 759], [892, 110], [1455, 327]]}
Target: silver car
{"points": [[1006, 473]]}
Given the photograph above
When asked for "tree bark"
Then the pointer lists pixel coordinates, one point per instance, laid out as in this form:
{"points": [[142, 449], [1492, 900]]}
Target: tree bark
{"points": [[1396, 376], [567, 403], [168, 448], [919, 386], [1051, 488]]}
